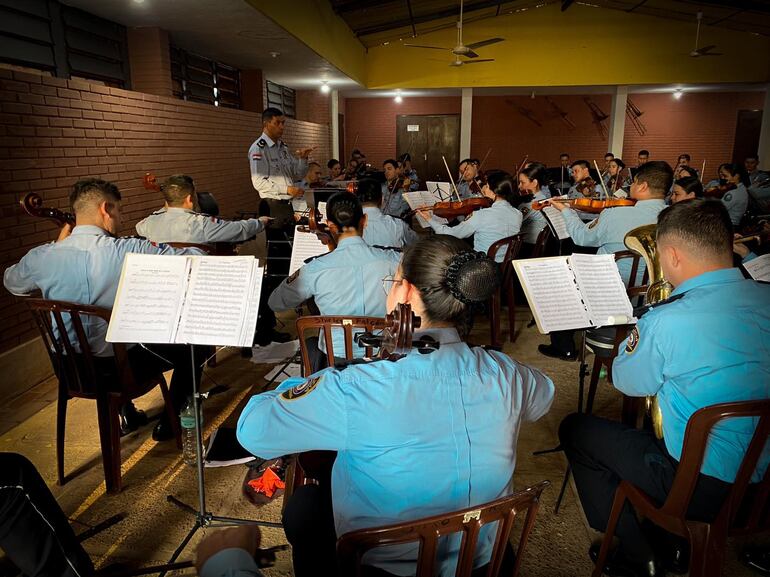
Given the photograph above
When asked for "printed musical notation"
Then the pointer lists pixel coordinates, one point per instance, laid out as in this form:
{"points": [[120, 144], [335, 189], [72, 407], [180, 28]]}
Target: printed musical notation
{"points": [[306, 245]]}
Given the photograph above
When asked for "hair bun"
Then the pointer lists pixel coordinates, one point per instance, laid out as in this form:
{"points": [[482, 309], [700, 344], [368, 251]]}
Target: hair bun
{"points": [[472, 277]]}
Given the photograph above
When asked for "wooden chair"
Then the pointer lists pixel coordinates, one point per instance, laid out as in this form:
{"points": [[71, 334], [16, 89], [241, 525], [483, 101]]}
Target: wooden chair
{"points": [[541, 244], [512, 245], [80, 377], [743, 512], [352, 546]]}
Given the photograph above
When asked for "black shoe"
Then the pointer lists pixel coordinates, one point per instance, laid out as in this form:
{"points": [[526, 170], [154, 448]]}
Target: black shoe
{"points": [[272, 336], [553, 352], [757, 558], [163, 430], [672, 551], [618, 566], [130, 419]]}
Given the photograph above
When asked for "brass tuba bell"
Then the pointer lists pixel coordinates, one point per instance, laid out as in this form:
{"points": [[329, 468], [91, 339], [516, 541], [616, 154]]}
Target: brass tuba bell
{"points": [[642, 241]]}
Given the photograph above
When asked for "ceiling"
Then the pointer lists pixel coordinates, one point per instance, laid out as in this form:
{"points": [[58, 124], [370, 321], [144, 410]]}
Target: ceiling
{"points": [[378, 22], [229, 31]]}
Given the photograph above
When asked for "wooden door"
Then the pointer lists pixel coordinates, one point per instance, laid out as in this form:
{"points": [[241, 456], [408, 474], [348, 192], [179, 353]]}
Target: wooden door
{"points": [[747, 131], [428, 138]]}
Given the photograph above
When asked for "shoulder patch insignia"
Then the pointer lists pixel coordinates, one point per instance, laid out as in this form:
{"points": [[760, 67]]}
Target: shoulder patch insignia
{"points": [[524, 210], [293, 276], [261, 143], [593, 223], [728, 197], [301, 390], [633, 340], [256, 156], [215, 219]]}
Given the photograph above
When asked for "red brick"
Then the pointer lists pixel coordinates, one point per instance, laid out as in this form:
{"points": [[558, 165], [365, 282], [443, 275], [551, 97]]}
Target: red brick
{"points": [[61, 122], [17, 107], [43, 89], [67, 93], [13, 86], [71, 113]]}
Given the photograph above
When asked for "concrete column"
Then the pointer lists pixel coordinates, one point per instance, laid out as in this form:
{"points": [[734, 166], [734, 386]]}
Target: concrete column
{"points": [[764, 134], [617, 121], [150, 61], [252, 90], [465, 123], [335, 114]]}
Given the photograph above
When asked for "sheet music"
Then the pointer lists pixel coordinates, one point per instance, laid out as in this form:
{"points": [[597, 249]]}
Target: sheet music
{"points": [[306, 245], [759, 268], [322, 210], [556, 219], [149, 299], [603, 290], [552, 294], [419, 199], [220, 306]]}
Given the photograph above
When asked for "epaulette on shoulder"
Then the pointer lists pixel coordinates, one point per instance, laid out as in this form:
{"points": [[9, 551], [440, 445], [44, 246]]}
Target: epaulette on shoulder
{"points": [[312, 258], [159, 211], [639, 311], [393, 248]]}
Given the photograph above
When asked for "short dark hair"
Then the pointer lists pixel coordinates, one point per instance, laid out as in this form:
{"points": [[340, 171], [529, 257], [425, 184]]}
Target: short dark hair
{"points": [[685, 156], [355, 151], [564, 154], [536, 171], [609, 154], [392, 161], [369, 191], [736, 169], [178, 187], [332, 163], [427, 263], [658, 175], [405, 157], [691, 184], [344, 210], [619, 162], [583, 163], [702, 225], [269, 113], [502, 184], [644, 152], [313, 163], [91, 191], [468, 160]]}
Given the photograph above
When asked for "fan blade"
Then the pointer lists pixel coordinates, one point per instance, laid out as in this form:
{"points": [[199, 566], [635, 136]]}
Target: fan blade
{"points": [[712, 54], [429, 47], [479, 60], [705, 49], [486, 42], [470, 54]]}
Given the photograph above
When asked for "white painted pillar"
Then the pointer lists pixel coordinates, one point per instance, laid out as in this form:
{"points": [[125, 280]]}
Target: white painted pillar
{"points": [[466, 114], [617, 121], [335, 109], [764, 134]]}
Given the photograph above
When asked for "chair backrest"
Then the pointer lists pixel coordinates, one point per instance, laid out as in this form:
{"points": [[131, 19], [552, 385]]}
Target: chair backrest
{"points": [[542, 242], [348, 325], [74, 361], [512, 245], [696, 437], [352, 546], [207, 248]]}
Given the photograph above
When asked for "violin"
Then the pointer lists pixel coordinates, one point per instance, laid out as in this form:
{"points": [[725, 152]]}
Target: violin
{"points": [[453, 209], [586, 186], [719, 190], [150, 182], [32, 204], [585, 204]]}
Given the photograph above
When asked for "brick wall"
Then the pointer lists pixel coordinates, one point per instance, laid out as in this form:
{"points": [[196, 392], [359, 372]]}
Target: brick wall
{"points": [[55, 131], [150, 61], [701, 124], [370, 123]]}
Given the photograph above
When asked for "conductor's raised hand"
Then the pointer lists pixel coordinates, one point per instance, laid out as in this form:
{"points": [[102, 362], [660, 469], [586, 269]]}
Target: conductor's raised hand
{"points": [[304, 152]]}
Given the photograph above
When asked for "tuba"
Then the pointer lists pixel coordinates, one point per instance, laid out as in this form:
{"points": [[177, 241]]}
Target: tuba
{"points": [[642, 241]]}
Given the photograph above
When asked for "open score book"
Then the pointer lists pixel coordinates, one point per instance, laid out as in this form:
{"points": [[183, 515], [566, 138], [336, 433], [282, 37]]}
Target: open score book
{"points": [[574, 292], [199, 300]]}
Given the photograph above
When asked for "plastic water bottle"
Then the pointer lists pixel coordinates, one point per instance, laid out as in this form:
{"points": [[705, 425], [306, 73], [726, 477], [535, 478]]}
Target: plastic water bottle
{"points": [[189, 444]]}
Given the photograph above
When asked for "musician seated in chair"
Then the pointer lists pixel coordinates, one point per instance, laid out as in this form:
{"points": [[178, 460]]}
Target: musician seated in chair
{"points": [[393, 203], [584, 184], [345, 281], [178, 220], [467, 186], [706, 344], [533, 182], [426, 434], [487, 225], [652, 181], [381, 230], [83, 266], [686, 188]]}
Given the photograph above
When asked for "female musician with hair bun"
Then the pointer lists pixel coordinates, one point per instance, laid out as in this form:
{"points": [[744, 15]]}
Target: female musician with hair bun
{"points": [[426, 434], [487, 225], [733, 191], [532, 183]]}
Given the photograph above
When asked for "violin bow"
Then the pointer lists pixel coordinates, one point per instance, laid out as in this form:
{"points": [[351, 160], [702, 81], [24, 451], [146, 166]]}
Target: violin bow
{"points": [[702, 171], [601, 180], [483, 160], [452, 180], [521, 166]]}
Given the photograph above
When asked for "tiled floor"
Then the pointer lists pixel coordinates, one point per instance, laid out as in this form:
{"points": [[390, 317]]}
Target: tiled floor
{"points": [[153, 527]]}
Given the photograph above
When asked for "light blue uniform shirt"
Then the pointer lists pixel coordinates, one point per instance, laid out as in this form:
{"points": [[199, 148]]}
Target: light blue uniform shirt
{"points": [[83, 268], [608, 231], [534, 221], [345, 281], [384, 230], [736, 201], [393, 203], [487, 225], [574, 193], [427, 434], [463, 189], [175, 224], [710, 346]]}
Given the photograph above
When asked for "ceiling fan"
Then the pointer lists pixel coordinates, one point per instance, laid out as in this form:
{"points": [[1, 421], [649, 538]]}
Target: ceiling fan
{"points": [[704, 50], [462, 49]]}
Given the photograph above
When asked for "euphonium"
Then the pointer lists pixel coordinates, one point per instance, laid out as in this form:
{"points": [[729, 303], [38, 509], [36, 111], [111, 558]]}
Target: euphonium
{"points": [[641, 240]]}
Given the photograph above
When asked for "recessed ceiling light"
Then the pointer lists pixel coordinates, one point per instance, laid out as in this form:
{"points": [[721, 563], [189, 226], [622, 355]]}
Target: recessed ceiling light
{"points": [[678, 93], [325, 87]]}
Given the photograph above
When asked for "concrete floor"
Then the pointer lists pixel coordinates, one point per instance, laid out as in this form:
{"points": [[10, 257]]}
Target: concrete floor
{"points": [[153, 528]]}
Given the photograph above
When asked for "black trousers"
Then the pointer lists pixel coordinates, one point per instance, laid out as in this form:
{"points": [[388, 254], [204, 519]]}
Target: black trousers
{"points": [[34, 531], [564, 341], [603, 452]]}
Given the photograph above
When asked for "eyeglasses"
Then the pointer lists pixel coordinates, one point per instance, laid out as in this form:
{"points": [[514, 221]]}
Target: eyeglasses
{"points": [[388, 282]]}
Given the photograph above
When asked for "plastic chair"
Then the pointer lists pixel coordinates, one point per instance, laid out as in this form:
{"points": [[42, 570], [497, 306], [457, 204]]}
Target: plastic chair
{"points": [[707, 540], [352, 546], [512, 245], [80, 377]]}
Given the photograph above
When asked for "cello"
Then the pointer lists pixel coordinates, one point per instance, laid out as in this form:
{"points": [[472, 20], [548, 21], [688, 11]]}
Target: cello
{"points": [[32, 203]]}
